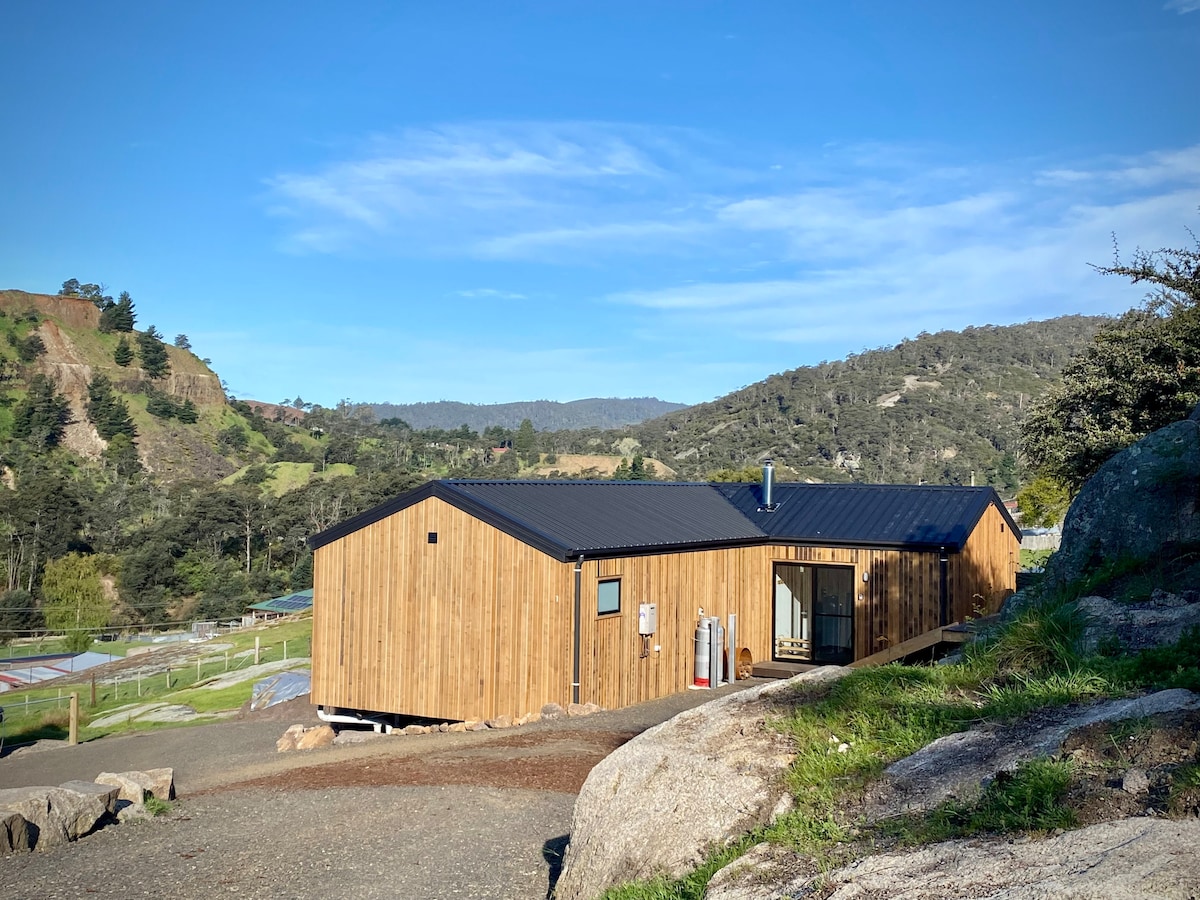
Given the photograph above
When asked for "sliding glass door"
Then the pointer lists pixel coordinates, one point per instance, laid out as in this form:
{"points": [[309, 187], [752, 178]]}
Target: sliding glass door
{"points": [[814, 614], [833, 615]]}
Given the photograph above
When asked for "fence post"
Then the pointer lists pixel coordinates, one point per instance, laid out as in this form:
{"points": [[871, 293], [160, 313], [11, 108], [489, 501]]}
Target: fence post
{"points": [[285, 651], [93, 689], [256, 640], [73, 732]]}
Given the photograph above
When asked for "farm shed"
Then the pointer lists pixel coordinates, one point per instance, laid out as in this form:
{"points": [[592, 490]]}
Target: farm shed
{"points": [[474, 599]]}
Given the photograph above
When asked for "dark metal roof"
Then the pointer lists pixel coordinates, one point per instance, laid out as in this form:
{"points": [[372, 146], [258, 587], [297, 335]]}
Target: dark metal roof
{"points": [[899, 515], [607, 518], [569, 518]]}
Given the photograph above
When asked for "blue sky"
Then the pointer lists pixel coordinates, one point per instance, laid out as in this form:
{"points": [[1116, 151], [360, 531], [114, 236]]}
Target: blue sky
{"points": [[492, 202]]}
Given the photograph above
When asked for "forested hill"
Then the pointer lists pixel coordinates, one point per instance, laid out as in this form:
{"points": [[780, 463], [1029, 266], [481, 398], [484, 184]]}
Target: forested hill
{"points": [[936, 408], [546, 415]]}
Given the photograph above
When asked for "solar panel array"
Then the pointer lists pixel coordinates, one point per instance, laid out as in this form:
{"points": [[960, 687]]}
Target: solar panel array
{"points": [[289, 603], [296, 601]]}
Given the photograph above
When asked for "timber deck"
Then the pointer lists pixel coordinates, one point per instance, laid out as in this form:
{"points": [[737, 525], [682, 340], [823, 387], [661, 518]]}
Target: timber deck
{"points": [[958, 633], [769, 669]]}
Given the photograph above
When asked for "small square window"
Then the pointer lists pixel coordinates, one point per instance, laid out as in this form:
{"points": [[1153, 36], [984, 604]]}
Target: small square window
{"points": [[433, 537], [608, 597]]}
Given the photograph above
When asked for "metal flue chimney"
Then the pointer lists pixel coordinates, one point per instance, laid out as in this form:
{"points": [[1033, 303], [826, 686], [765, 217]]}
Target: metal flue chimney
{"points": [[768, 485]]}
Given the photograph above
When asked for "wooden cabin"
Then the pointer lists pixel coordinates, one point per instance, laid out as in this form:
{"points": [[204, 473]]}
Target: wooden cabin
{"points": [[473, 599]]}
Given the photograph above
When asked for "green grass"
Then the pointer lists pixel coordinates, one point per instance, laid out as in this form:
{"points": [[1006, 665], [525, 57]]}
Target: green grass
{"points": [[37, 721], [157, 807], [1042, 638], [204, 700], [287, 476], [1028, 800], [846, 734]]}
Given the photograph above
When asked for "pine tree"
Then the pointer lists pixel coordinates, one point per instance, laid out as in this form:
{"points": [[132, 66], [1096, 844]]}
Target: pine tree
{"points": [[119, 316], [1140, 373], [525, 443], [42, 417], [123, 355], [160, 405], [153, 352], [186, 412], [107, 411]]}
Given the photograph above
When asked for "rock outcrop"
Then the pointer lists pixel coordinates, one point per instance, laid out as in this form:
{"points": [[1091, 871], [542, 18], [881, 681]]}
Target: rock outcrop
{"points": [[957, 767], [703, 778], [1130, 859], [960, 766], [1140, 505], [1156, 622]]}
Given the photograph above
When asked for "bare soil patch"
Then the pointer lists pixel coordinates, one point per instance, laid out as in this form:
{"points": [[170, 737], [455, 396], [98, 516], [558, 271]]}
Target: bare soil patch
{"points": [[1135, 768], [543, 761]]}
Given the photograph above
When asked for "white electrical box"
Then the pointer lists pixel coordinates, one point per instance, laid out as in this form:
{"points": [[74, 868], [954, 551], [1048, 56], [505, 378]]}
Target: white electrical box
{"points": [[647, 618]]}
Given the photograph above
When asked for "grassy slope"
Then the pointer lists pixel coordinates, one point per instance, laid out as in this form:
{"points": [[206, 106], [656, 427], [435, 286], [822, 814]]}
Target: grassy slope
{"points": [[287, 476], [48, 720]]}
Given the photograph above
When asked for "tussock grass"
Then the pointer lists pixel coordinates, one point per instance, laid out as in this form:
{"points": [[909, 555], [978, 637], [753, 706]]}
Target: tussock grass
{"points": [[1043, 638]]}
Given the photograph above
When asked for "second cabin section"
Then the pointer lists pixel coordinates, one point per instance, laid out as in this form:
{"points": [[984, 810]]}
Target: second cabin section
{"points": [[473, 599]]}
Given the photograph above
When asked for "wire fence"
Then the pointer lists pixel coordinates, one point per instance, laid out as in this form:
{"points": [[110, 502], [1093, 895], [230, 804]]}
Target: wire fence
{"points": [[33, 717], [156, 678], [28, 717]]}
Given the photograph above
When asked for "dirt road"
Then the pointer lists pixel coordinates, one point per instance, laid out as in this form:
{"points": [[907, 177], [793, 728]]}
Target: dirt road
{"points": [[474, 815]]}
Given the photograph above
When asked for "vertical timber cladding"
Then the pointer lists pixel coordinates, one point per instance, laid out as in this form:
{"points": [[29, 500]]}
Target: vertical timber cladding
{"points": [[473, 626], [899, 598], [613, 673], [985, 573]]}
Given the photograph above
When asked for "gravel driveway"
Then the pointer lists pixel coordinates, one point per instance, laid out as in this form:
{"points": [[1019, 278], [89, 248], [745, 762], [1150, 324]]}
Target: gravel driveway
{"points": [[475, 815]]}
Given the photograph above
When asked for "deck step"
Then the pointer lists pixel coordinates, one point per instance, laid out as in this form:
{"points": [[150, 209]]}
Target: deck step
{"points": [[780, 669]]}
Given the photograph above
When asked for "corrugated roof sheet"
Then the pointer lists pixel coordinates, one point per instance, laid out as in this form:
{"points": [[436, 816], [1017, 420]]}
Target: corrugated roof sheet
{"points": [[876, 514], [17, 672], [568, 518], [595, 516]]}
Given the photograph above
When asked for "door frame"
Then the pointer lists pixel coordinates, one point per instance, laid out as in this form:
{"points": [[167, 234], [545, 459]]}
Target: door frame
{"points": [[810, 573]]}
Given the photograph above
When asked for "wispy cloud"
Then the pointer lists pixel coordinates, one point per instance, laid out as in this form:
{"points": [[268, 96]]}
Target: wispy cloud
{"points": [[1182, 6], [723, 247], [871, 260], [489, 294], [466, 190]]}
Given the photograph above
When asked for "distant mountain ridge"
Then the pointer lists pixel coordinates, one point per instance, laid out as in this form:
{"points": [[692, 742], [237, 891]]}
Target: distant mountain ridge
{"points": [[546, 415], [943, 408]]}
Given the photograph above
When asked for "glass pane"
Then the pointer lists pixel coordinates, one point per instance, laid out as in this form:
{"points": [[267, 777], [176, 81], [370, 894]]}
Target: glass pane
{"points": [[833, 624], [792, 600], [608, 597], [835, 592]]}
